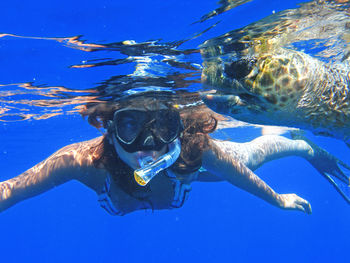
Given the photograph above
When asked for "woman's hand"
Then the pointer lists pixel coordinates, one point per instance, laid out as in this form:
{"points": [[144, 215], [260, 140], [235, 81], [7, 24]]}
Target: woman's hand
{"points": [[294, 202]]}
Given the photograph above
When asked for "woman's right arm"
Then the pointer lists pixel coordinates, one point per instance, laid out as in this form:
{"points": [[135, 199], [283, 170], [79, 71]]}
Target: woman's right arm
{"points": [[74, 161]]}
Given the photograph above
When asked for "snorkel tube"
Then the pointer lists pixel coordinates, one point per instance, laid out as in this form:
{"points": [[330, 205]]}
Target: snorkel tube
{"points": [[150, 169]]}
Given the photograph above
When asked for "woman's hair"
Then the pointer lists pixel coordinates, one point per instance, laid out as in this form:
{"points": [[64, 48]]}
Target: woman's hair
{"points": [[198, 121]]}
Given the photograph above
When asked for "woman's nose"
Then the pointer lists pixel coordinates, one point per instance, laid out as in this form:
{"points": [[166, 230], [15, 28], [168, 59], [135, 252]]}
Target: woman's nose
{"points": [[149, 141]]}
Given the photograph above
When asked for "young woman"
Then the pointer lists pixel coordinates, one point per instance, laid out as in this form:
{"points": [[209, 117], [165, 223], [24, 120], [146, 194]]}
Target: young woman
{"points": [[152, 152]]}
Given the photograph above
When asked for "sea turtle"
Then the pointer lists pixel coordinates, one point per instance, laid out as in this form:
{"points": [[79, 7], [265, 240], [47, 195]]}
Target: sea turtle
{"points": [[289, 69]]}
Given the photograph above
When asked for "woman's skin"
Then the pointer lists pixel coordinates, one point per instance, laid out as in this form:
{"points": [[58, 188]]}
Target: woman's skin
{"points": [[224, 160]]}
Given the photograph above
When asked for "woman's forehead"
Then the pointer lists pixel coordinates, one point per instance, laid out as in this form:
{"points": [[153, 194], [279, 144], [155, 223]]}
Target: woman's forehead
{"points": [[149, 104]]}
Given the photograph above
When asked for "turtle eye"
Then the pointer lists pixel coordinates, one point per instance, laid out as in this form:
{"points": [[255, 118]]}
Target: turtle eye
{"points": [[239, 69]]}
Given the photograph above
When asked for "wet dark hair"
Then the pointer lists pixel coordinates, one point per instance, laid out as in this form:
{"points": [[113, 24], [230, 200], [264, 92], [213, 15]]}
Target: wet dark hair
{"points": [[198, 121]]}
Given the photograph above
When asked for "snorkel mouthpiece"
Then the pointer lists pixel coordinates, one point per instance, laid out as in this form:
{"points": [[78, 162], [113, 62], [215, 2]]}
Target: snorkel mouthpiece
{"points": [[150, 169]]}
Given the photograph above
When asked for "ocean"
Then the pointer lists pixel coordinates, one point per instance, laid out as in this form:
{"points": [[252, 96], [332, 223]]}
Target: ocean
{"points": [[57, 55]]}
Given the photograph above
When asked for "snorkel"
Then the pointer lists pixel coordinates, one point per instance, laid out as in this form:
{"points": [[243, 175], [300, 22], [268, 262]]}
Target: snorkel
{"points": [[150, 168]]}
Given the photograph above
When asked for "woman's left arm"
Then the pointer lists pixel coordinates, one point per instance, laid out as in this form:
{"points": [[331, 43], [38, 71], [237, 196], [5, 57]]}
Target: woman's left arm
{"points": [[266, 148], [225, 165]]}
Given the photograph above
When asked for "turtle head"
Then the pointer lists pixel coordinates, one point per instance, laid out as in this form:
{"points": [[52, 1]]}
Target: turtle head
{"points": [[234, 89], [268, 86], [230, 77]]}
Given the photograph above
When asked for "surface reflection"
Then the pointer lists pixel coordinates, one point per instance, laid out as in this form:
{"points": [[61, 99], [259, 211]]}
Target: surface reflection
{"points": [[155, 65]]}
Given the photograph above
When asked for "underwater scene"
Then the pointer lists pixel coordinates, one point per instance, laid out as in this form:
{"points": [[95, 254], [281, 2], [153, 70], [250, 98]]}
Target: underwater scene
{"points": [[175, 131]]}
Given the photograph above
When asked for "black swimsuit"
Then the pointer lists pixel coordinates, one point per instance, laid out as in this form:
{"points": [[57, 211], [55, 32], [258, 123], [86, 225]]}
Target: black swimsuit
{"points": [[181, 191]]}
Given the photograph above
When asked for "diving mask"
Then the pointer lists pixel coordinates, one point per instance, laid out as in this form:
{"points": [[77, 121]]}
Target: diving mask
{"points": [[141, 130]]}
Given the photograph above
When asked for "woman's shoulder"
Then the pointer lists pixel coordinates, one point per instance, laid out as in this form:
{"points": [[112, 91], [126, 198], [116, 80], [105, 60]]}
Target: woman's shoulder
{"points": [[83, 145], [82, 153]]}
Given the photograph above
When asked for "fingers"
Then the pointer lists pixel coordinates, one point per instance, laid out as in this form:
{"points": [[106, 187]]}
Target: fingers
{"points": [[294, 202], [304, 206]]}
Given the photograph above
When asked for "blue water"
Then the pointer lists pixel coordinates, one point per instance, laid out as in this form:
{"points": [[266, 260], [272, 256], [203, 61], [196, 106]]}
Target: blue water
{"points": [[218, 223]]}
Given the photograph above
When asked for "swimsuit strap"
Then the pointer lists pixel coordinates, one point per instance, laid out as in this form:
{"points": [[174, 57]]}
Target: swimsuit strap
{"points": [[105, 200], [181, 189]]}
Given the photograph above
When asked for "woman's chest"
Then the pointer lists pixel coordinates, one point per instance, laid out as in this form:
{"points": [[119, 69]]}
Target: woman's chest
{"points": [[163, 192]]}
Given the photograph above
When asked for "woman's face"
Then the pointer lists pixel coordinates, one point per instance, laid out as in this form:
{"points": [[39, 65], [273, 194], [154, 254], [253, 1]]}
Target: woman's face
{"points": [[133, 159]]}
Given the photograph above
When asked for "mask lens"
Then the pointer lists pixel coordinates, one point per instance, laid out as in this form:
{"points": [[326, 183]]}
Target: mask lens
{"points": [[168, 125], [129, 124]]}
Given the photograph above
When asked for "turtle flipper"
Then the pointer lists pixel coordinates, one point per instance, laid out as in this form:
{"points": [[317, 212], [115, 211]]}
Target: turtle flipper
{"points": [[334, 170], [342, 188], [347, 143]]}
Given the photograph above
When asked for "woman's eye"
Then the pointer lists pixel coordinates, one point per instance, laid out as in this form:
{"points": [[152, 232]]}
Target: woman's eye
{"points": [[128, 122]]}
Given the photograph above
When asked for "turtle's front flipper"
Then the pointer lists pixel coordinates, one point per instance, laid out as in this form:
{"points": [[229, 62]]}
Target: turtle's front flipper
{"points": [[333, 169], [348, 143], [340, 185], [223, 104]]}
